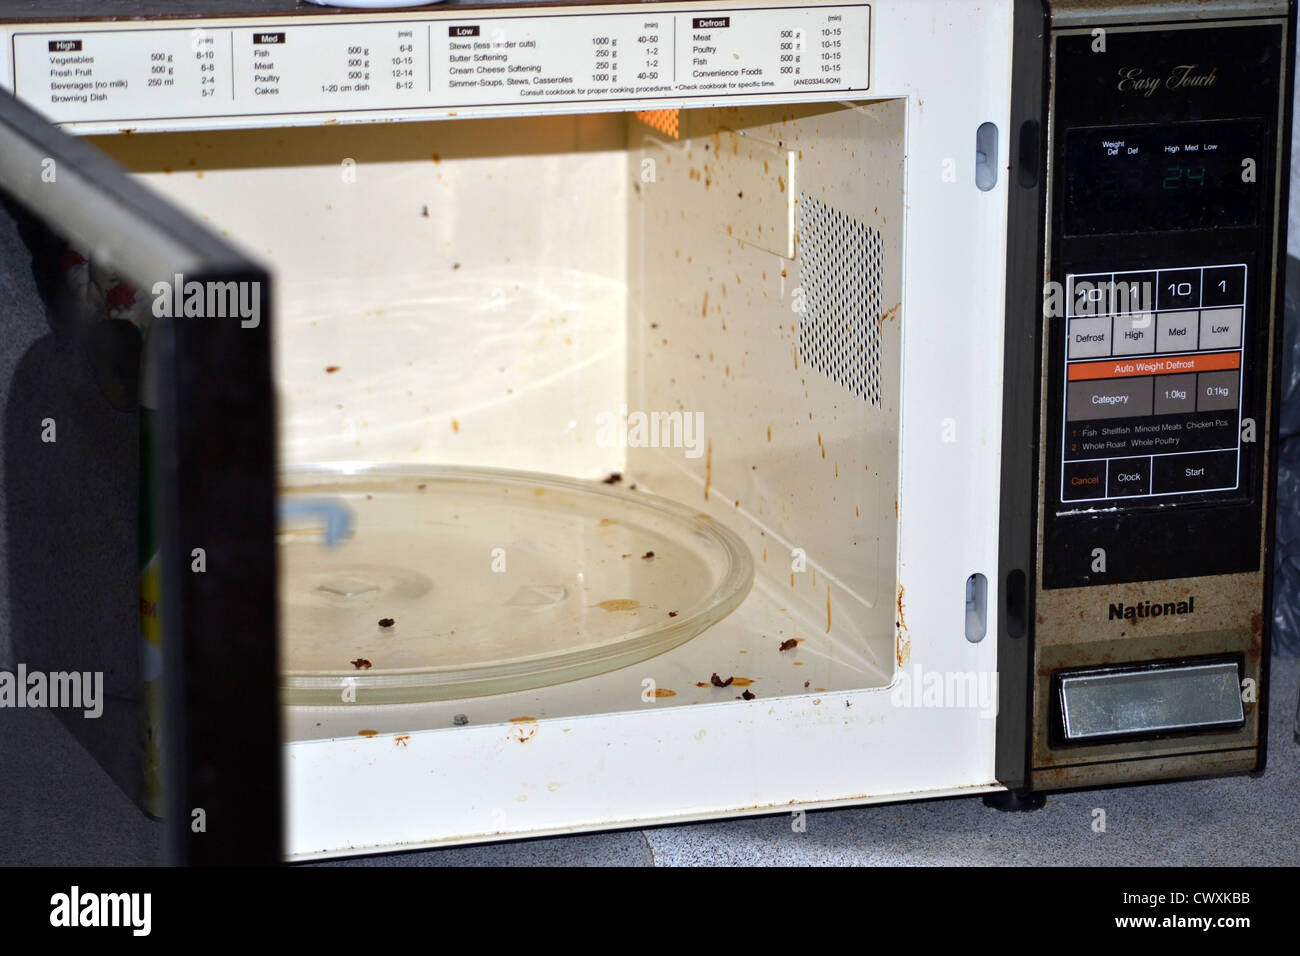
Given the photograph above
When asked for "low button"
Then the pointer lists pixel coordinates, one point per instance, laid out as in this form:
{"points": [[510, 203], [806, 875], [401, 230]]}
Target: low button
{"points": [[1220, 329], [1128, 477]]}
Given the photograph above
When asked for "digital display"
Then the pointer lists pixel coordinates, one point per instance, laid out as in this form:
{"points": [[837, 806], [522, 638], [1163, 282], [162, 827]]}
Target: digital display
{"points": [[1125, 179]]}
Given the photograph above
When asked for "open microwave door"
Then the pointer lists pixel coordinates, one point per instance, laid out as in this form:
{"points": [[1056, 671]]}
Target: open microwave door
{"points": [[137, 561]]}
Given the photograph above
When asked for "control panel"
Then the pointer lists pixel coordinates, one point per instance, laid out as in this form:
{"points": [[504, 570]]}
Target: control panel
{"points": [[1153, 370], [1163, 260]]}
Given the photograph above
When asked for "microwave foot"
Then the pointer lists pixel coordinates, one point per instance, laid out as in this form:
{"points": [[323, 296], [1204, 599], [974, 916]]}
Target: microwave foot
{"points": [[1012, 801]]}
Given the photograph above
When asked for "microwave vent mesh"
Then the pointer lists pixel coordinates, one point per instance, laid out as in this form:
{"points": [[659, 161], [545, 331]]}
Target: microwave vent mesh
{"points": [[840, 273]]}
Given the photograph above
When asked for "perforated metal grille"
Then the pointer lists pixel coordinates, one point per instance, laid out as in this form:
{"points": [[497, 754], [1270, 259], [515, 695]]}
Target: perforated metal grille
{"points": [[667, 122], [839, 273]]}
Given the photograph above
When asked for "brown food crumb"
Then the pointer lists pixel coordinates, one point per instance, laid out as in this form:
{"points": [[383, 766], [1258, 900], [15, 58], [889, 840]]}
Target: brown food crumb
{"points": [[647, 556], [806, 683], [672, 613], [613, 478], [717, 681], [700, 683], [789, 645], [360, 663], [331, 369], [748, 695], [386, 622], [420, 487]]}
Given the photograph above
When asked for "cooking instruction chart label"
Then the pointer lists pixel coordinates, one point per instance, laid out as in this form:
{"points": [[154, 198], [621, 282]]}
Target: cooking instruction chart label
{"points": [[179, 71]]}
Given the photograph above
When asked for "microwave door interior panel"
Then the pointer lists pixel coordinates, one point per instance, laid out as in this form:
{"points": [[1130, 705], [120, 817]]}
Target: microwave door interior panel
{"points": [[667, 418]]}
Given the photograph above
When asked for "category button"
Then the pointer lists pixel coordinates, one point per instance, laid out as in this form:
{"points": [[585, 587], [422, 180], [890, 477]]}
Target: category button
{"points": [[1203, 471], [1128, 477], [1216, 391], [1177, 331], [1108, 398], [1221, 329], [1135, 334], [1082, 480], [1090, 338]]}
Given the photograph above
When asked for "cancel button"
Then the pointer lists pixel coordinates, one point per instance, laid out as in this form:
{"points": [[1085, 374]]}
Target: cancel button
{"points": [[1128, 477]]}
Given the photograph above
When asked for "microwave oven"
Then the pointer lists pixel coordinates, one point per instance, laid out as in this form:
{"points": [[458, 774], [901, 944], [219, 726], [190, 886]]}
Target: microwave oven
{"points": [[484, 421]]}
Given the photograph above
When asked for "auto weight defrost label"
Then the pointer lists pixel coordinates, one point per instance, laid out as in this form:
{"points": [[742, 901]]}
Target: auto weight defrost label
{"points": [[127, 73]]}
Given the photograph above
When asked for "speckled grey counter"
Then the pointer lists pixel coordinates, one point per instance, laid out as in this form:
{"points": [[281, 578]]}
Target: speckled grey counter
{"points": [[57, 806]]}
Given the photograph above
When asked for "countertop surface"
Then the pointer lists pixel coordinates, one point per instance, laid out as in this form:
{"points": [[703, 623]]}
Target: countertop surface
{"points": [[60, 807]]}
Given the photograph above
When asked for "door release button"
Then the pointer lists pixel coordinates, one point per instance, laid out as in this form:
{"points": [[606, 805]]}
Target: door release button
{"points": [[1149, 699]]}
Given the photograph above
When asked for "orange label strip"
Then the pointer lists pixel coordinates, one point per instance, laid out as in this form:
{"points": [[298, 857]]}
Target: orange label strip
{"points": [[1170, 365]]}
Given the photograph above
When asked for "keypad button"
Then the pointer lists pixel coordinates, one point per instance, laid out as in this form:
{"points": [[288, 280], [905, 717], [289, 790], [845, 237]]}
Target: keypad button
{"points": [[1133, 292], [1223, 285], [1090, 295], [1108, 398], [1177, 331], [1175, 394], [1128, 477], [1203, 471], [1220, 329], [1217, 391], [1082, 480], [1178, 289], [1135, 334], [1090, 338]]}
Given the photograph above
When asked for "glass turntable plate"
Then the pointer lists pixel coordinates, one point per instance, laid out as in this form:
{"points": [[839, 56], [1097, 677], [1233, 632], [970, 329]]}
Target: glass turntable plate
{"points": [[458, 582]]}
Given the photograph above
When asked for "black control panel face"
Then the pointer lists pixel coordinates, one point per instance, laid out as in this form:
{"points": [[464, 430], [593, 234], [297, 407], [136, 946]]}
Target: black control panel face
{"points": [[1162, 266]]}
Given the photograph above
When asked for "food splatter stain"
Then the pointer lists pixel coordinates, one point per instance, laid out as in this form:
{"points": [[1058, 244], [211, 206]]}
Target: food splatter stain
{"points": [[619, 604], [367, 733], [665, 692], [902, 640]]}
